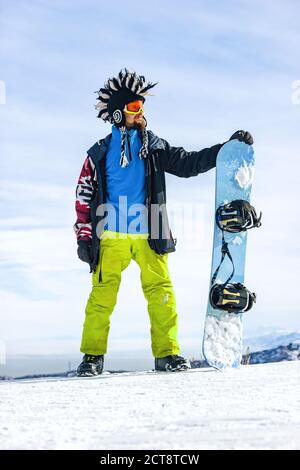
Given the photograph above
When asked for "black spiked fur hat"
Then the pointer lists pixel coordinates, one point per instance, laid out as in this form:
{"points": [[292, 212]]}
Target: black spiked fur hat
{"points": [[117, 92]]}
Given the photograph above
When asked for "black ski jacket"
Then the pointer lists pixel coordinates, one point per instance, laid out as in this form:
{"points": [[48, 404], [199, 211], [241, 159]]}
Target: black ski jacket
{"points": [[161, 158]]}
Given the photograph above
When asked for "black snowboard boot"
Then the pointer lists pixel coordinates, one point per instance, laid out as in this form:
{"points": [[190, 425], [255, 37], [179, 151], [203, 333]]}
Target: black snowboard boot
{"points": [[171, 363], [90, 365]]}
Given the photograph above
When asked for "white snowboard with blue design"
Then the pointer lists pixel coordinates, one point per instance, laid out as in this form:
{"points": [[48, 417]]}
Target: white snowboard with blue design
{"points": [[222, 339]]}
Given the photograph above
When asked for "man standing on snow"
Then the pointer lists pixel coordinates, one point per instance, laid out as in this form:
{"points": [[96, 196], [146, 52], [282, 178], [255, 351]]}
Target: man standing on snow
{"points": [[121, 215]]}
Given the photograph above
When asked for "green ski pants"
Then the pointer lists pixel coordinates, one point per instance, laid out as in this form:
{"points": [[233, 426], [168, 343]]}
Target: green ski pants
{"points": [[116, 252]]}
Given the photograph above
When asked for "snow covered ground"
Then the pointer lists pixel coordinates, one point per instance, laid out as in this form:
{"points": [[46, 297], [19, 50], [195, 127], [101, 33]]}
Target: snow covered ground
{"points": [[257, 407]]}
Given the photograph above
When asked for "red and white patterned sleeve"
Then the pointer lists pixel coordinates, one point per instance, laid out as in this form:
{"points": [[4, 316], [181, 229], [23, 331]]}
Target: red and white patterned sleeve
{"points": [[85, 192]]}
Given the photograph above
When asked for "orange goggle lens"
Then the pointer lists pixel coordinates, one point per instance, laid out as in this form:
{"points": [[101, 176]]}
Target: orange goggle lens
{"points": [[134, 106]]}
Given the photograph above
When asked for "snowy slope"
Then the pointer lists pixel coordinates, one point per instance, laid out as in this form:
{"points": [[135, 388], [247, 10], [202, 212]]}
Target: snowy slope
{"points": [[257, 407]]}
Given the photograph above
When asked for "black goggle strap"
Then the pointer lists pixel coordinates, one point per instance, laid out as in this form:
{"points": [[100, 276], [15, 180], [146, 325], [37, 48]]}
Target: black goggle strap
{"points": [[225, 251]]}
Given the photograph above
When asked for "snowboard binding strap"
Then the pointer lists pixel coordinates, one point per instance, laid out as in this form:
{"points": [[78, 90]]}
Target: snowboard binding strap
{"points": [[237, 216], [225, 252], [234, 298]]}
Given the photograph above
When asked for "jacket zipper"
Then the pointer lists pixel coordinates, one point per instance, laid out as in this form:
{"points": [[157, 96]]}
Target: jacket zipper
{"points": [[151, 241], [100, 189]]}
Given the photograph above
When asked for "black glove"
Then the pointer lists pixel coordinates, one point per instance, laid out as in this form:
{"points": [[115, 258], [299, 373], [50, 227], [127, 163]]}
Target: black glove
{"points": [[85, 251], [243, 136]]}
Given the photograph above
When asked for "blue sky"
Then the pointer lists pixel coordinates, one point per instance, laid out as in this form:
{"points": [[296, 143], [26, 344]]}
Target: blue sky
{"points": [[221, 66]]}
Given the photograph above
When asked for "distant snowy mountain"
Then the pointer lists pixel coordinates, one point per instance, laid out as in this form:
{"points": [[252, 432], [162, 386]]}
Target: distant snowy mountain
{"points": [[291, 352], [270, 340]]}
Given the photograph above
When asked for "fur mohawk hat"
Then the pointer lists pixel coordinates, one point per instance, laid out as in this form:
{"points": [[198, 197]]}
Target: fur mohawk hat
{"points": [[117, 92]]}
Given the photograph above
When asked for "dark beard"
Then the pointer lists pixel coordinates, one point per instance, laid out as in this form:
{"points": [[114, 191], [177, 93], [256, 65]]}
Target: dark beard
{"points": [[135, 126]]}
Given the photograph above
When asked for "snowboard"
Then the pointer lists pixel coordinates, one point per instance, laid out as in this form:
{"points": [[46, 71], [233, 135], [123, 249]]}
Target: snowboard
{"points": [[71, 376], [222, 338]]}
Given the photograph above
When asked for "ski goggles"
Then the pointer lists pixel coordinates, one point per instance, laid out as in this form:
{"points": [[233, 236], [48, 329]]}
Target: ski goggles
{"points": [[135, 107]]}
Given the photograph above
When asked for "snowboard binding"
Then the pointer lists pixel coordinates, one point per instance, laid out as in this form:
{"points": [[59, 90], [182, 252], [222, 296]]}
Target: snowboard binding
{"points": [[234, 298], [237, 216], [234, 217]]}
